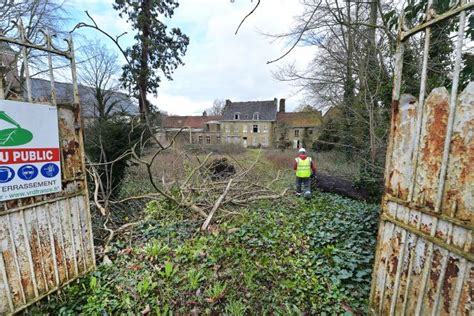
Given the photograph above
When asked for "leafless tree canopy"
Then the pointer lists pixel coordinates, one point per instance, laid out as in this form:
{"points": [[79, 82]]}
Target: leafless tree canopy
{"points": [[217, 107], [100, 71], [37, 16], [351, 68]]}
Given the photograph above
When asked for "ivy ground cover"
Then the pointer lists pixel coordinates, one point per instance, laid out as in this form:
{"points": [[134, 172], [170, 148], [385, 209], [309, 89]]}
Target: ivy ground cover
{"points": [[313, 258]]}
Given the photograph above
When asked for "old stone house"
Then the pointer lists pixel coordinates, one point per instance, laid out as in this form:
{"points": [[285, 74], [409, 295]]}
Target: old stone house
{"points": [[296, 129], [248, 124], [204, 129]]}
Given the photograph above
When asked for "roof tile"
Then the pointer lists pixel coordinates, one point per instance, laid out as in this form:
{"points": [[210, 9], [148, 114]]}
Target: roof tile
{"points": [[266, 109], [300, 119]]}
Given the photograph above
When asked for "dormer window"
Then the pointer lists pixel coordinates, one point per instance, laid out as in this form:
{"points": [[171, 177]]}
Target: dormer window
{"points": [[256, 116], [237, 116]]}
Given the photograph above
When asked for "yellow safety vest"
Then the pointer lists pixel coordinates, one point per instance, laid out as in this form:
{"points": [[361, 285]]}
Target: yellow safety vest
{"points": [[303, 169]]}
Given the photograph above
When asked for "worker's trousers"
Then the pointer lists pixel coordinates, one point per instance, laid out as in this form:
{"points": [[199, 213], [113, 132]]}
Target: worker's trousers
{"points": [[304, 183]]}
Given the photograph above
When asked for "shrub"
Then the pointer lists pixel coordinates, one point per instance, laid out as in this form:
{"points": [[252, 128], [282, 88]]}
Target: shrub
{"points": [[107, 140]]}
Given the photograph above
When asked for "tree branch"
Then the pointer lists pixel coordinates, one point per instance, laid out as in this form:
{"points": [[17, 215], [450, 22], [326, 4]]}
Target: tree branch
{"points": [[299, 37], [245, 18]]}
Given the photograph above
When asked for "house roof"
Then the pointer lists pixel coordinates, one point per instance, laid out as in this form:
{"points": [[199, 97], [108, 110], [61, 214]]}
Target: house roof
{"points": [[333, 113], [189, 121], [266, 109], [300, 119], [40, 89]]}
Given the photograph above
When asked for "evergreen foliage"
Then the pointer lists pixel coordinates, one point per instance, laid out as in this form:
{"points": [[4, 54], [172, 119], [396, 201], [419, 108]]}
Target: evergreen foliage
{"points": [[157, 51]]}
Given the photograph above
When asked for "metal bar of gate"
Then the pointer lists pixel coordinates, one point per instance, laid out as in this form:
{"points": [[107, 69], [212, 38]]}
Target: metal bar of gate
{"points": [[48, 235], [421, 102], [452, 109], [424, 250], [25, 62]]}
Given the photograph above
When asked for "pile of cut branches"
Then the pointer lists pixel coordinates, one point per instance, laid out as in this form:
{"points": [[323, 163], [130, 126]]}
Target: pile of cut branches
{"points": [[205, 186], [214, 184]]}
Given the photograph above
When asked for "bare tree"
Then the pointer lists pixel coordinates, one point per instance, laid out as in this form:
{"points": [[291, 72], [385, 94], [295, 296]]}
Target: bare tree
{"points": [[217, 107], [100, 72], [349, 72], [36, 16], [32, 12]]}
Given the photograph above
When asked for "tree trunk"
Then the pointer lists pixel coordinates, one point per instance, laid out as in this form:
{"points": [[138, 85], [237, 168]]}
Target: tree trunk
{"points": [[349, 84], [372, 71], [144, 25]]}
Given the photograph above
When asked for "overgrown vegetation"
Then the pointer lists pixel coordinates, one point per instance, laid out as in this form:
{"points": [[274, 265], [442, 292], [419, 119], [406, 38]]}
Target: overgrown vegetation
{"points": [[352, 71], [312, 258], [107, 143], [331, 162]]}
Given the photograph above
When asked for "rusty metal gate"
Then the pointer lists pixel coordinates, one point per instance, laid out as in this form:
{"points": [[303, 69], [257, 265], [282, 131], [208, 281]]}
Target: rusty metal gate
{"points": [[424, 260], [46, 241]]}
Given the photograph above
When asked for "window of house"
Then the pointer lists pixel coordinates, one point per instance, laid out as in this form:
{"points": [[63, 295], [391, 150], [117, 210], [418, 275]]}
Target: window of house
{"points": [[256, 116], [208, 139], [255, 128], [218, 139], [237, 116], [265, 129], [265, 141], [297, 133], [310, 132], [254, 141], [227, 129], [245, 129], [200, 139]]}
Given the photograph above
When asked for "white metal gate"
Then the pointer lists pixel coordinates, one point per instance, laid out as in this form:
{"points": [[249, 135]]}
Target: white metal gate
{"points": [[425, 263], [46, 241]]}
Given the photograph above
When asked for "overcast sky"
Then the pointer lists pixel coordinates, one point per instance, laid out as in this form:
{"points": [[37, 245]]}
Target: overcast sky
{"points": [[218, 64]]}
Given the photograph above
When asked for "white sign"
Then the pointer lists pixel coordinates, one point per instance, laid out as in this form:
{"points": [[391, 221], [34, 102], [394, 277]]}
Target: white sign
{"points": [[30, 160]]}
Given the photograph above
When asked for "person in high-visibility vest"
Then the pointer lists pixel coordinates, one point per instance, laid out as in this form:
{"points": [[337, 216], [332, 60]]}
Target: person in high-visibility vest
{"points": [[304, 167]]}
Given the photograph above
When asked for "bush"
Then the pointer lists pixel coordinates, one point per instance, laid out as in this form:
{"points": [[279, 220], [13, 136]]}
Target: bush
{"points": [[370, 178], [107, 140], [328, 138]]}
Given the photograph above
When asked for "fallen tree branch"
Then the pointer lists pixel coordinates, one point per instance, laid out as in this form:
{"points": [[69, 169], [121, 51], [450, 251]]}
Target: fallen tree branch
{"points": [[216, 206], [118, 230], [258, 198], [93, 172], [138, 197], [191, 174]]}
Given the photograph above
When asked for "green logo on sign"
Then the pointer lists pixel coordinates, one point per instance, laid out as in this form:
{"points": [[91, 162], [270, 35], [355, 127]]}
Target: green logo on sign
{"points": [[13, 136]]}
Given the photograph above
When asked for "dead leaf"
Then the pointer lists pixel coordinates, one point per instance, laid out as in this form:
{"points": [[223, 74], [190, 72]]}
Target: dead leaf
{"points": [[146, 310], [135, 267], [107, 260]]}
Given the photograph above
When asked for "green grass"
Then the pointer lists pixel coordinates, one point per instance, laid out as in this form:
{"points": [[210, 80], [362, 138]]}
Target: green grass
{"points": [[313, 258]]}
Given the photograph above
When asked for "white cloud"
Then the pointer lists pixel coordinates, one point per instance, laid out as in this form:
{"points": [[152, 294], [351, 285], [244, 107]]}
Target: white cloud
{"points": [[219, 64]]}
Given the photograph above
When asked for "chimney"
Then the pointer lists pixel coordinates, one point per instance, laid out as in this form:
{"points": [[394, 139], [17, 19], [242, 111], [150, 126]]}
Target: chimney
{"points": [[275, 101], [204, 114], [227, 102], [282, 106]]}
